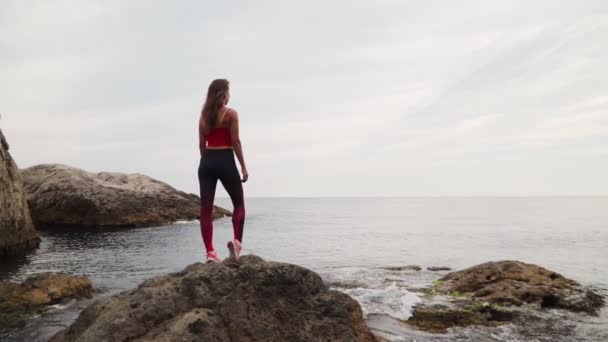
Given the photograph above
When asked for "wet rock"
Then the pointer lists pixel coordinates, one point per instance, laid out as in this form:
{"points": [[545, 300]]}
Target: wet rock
{"points": [[403, 268], [43, 289], [60, 195], [35, 294], [17, 233], [493, 293], [517, 283], [253, 300], [440, 318], [438, 268]]}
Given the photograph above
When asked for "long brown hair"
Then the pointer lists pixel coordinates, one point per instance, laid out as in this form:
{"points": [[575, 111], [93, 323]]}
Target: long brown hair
{"points": [[216, 99]]}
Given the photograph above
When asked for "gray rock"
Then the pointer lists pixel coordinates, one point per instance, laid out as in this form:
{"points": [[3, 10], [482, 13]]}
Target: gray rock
{"points": [[36, 294], [41, 290], [3, 142], [17, 233], [495, 293], [60, 195], [438, 318], [252, 300], [403, 268], [517, 283], [438, 268]]}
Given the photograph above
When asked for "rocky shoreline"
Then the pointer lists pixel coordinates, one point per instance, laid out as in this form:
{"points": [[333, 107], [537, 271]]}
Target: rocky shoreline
{"points": [[498, 293], [272, 301], [493, 301]]}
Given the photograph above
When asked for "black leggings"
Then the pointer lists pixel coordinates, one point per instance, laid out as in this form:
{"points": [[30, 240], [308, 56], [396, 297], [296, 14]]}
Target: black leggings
{"points": [[214, 165]]}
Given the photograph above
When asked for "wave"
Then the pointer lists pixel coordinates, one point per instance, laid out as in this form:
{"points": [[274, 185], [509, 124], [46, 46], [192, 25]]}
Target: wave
{"points": [[185, 222], [391, 300]]}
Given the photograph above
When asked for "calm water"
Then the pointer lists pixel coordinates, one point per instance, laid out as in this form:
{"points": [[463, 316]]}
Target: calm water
{"points": [[347, 240]]}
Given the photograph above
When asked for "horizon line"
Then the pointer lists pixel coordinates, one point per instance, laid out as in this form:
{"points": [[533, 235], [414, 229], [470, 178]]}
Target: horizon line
{"points": [[425, 196]]}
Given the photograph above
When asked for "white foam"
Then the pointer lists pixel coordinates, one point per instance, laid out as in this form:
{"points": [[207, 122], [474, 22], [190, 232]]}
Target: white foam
{"points": [[62, 306], [186, 222], [391, 300]]}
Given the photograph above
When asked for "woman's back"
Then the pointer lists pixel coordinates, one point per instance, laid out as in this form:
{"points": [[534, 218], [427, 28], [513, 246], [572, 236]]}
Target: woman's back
{"points": [[219, 135]]}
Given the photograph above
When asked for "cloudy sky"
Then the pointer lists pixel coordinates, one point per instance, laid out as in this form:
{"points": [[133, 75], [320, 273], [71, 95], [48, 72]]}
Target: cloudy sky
{"points": [[336, 98]]}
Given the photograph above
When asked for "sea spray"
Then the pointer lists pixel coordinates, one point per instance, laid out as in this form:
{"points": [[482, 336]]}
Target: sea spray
{"points": [[393, 300]]}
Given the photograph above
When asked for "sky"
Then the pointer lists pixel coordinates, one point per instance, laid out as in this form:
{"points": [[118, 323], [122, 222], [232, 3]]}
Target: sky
{"points": [[335, 98]]}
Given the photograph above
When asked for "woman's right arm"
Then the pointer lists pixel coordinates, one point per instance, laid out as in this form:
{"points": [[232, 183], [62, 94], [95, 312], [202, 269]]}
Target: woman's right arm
{"points": [[236, 143], [202, 142]]}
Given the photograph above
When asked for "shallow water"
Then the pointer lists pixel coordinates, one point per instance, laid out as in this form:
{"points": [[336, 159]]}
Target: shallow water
{"points": [[347, 241]]}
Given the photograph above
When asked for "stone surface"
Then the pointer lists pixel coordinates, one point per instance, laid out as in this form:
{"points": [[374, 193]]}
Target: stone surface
{"points": [[17, 233], [434, 317], [518, 283], [438, 268], [252, 300], [494, 293], [3, 143], [403, 268], [60, 195], [43, 289]]}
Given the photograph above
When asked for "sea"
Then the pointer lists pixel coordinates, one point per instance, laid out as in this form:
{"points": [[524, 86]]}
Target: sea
{"points": [[350, 242]]}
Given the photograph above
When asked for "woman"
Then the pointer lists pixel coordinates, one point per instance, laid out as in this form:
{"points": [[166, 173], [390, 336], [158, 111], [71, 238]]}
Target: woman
{"points": [[218, 139]]}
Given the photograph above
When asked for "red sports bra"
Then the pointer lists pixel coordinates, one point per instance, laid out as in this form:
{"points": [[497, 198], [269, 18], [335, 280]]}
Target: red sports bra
{"points": [[219, 136]]}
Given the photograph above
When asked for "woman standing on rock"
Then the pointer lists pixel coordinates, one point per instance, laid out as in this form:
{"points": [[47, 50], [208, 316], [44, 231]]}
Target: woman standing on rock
{"points": [[218, 139]]}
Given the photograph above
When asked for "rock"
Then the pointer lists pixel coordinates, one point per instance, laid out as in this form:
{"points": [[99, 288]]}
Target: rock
{"points": [[18, 301], [43, 289], [252, 300], [3, 144], [492, 293], [218, 212], [438, 268], [517, 283], [438, 318], [17, 233], [403, 268], [60, 195]]}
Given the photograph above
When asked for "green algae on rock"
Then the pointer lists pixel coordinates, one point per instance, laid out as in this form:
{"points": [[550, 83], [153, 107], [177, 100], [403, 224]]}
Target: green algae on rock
{"points": [[496, 293]]}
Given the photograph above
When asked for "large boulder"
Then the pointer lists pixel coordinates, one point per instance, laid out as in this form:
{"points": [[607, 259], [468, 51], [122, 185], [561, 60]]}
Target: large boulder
{"points": [[252, 300], [60, 195], [517, 283], [17, 233]]}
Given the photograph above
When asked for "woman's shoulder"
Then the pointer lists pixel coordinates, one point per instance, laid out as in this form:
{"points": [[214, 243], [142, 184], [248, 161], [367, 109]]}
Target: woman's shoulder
{"points": [[231, 113], [230, 110]]}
